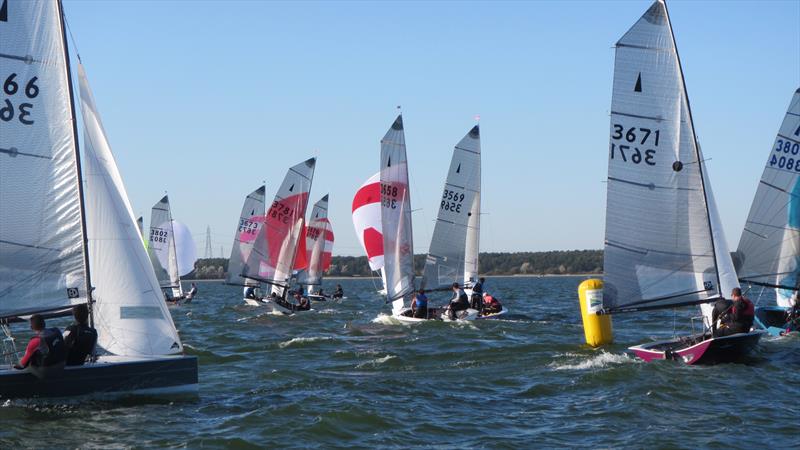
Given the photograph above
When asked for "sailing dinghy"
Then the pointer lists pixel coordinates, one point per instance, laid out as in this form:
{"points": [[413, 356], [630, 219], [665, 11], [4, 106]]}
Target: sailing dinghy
{"points": [[163, 251], [664, 244], [769, 248], [318, 236], [92, 251], [366, 210], [251, 219], [272, 258]]}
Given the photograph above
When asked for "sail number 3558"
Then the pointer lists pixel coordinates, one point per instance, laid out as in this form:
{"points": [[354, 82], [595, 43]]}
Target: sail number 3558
{"points": [[635, 136], [22, 111], [388, 196]]}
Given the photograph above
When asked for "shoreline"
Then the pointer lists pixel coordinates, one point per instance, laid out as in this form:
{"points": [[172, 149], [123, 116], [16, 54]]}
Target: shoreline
{"points": [[520, 275]]}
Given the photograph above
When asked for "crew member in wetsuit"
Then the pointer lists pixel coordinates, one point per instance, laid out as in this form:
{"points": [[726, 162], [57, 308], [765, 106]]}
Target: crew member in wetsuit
{"points": [[302, 302], [338, 293], [45, 350], [741, 316], [249, 292], [419, 306], [459, 302], [722, 309], [192, 292], [491, 305], [477, 294], [79, 337]]}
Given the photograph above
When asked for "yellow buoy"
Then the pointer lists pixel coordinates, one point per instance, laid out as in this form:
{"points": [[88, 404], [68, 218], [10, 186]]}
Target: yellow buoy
{"points": [[596, 328]]}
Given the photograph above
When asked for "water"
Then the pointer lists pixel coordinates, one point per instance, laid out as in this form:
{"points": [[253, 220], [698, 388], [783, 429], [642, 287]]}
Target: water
{"points": [[337, 378]]}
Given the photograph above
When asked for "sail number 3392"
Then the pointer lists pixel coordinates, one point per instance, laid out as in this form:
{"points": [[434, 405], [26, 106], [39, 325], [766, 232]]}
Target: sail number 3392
{"points": [[635, 137], [21, 111]]}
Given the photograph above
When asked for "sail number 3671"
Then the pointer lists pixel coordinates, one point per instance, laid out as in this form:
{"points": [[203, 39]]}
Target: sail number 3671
{"points": [[635, 136], [22, 112]]}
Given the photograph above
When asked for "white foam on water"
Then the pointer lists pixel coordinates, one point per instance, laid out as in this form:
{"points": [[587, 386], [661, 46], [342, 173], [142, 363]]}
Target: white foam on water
{"points": [[303, 340], [386, 319], [376, 361], [604, 359]]}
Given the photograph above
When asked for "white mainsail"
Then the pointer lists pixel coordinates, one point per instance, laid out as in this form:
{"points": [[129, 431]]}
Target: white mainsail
{"points": [[769, 248], [453, 254], [398, 245], [662, 230], [319, 243], [275, 247], [129, 311], [42, 253], [250, 222]]}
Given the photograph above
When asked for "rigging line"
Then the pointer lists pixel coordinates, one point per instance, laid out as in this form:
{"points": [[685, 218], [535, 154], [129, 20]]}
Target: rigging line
{"points": [[637, 116]]}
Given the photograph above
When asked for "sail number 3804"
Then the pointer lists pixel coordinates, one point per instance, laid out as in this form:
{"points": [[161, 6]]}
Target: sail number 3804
{"points": [[22, 111], [635, 136]]}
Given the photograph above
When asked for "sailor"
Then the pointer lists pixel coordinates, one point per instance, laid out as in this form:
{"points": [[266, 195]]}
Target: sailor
{"points": [[79, 337], [459, 302], [719, 316], [249, 292], [338, 293], [45, 351], [302, 302], [491, 305], [192, 292], [742, 312], [477, 294], [419, 306]]}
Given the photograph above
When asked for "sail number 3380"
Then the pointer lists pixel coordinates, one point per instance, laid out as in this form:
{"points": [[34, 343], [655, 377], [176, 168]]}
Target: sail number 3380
{"points": [[634, 136], [22, 111]]}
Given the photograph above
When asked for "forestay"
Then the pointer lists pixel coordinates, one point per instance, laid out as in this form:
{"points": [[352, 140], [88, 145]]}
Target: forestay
{"points": [[130, 314], [769, 248], [162, 242], [447, 261], [659, 246], [251, 220], [319, 244], [398, 244], [42, 251], [273, 253]]}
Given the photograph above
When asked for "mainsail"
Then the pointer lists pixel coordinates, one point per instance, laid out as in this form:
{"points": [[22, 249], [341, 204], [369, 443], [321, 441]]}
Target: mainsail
{"points": [[162, 242], [398, 244], [662, 228], [455, 235], [769, 248], [319, 244], [42, 246], [274, 250], [250, 222], [129, 311]]}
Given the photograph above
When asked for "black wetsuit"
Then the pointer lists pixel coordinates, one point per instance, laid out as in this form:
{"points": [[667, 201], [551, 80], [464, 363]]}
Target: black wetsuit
{"points": [[721, 310], [460, 302], [80, 343], [338, 293], [739, 319], [477, 296]]}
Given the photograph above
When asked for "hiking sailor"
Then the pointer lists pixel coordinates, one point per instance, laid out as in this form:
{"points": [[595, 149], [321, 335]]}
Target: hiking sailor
{"points": [[338, 293], [192, 292], [79, 337], [477, 294], [419, 306], [737, 318], [459, 302], [490, 305], [46, 352]]}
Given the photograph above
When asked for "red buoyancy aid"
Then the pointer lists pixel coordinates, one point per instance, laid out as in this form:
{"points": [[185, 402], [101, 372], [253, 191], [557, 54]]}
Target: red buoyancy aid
{"points": [[490, 301]]}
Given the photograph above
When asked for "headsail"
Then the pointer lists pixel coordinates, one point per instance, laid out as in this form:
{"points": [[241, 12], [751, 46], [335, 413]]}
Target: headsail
{"points": [[42, 251], [273, 253], [398, 244], [769, 248], [319, 244], [452, 238], [130, 313], [250, 222], [659, 246]]}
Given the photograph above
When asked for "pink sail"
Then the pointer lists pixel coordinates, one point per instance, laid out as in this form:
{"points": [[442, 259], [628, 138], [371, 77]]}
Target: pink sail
{"points": [[367, 220]]}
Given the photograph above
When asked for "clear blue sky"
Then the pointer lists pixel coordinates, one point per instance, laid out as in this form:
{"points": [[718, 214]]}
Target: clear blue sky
{"points": [[206, 99]]}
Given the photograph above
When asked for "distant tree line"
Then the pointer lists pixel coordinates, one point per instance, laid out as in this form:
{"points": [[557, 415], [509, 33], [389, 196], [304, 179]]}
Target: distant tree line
{"points": [[520, 263]]}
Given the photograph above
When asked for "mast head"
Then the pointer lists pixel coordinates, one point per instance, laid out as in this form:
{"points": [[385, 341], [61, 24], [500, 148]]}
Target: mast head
{"points": [[475, 132], [310, 162], [398, 123], [325, 198]]}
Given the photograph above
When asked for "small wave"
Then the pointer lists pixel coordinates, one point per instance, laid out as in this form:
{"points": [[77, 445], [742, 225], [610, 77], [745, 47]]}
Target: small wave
{"points": [[386, 319], [299, 341], [602, 360], [376, 361]]}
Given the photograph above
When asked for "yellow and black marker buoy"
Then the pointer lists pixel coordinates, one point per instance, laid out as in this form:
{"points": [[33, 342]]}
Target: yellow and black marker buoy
{"points": [[596, 328]]}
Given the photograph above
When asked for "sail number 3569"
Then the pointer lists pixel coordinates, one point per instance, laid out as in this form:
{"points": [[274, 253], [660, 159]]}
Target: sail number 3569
{"points": [[451, 201], [635, 136], [22, 112]]}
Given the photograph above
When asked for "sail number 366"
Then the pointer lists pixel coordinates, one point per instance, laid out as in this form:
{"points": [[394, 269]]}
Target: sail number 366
{"points": [[22, 112], [635, 136]]}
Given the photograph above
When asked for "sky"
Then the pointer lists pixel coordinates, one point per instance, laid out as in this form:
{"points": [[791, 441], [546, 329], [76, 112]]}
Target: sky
{"points": [[206, 100]]}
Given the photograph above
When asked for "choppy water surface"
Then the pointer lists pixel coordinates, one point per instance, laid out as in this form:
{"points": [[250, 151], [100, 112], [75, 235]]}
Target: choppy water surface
{"points": [[337, 377]]}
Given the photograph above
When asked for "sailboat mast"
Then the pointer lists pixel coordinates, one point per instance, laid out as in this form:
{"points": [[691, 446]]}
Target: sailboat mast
{"points": [[174, 248], [81, 196], [697, 151]]}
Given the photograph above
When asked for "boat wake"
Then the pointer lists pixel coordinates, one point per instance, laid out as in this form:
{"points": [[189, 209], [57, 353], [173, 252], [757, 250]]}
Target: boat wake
{"points": [[387, 319], [602, 360]]}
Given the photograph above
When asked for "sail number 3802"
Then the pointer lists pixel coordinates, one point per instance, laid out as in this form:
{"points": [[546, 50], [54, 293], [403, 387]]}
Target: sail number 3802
{"points": [[635, 136]]}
